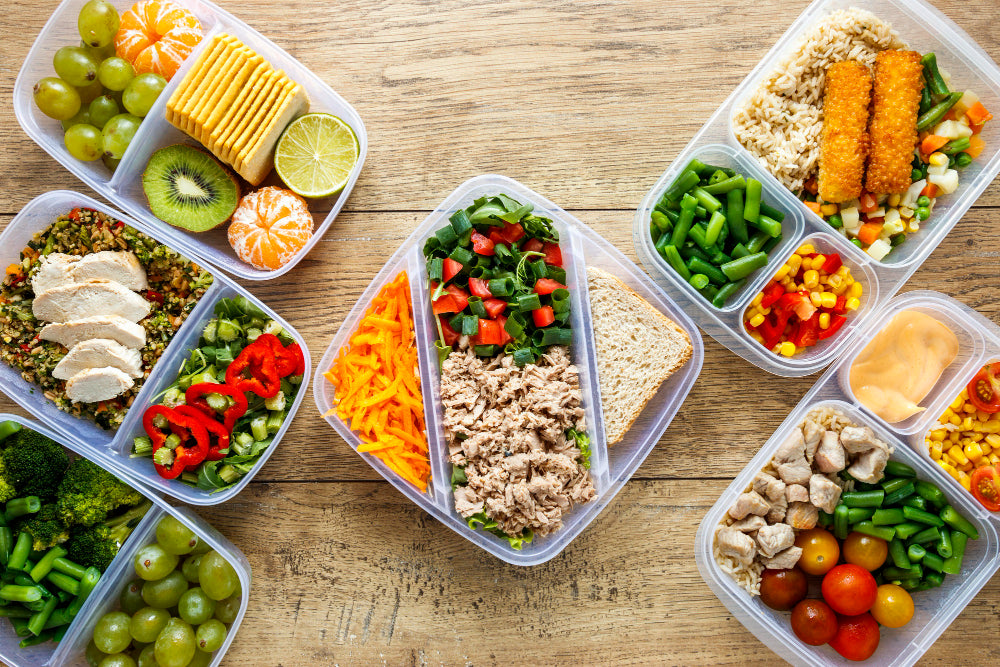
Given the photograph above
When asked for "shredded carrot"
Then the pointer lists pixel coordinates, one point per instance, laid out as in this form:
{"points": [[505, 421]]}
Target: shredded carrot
{"points": [[377, 386]]}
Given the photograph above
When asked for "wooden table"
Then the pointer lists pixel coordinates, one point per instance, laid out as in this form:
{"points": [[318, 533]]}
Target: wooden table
{"points": [[587, 102]]}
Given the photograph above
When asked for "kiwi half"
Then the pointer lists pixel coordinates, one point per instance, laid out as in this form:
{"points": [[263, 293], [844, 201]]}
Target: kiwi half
{"points": [[188, 188]]}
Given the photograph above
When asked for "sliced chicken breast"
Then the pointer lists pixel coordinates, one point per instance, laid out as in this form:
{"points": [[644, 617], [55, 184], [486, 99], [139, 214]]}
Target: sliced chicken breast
{"points": [[97, 384], [122, 267], [94, 297], [118, 329], [55, 270], [99, 353]]}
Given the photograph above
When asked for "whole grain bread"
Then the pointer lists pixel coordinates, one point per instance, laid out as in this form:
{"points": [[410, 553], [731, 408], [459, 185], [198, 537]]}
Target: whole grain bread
{"points": [[638, 348]]}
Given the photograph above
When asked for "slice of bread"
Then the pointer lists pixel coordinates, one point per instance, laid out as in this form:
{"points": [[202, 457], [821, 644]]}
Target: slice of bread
{"points": [[638, 348]]}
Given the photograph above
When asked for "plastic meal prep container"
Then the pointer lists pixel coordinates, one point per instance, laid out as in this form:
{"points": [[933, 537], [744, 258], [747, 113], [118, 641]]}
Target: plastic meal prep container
{"points": [[924, 29], [123, 187], [611, 467], [114, 448], [104, 598], [979, 343]]}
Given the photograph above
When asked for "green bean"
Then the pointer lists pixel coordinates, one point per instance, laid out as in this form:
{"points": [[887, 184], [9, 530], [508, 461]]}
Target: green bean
{"points": [[734, 216], [897, 551], [727, 290], [737, 182], [661, 221], [898, 469], [663, 242], [771, 212], [698, 265], [58, 617], [840, 521], [699, 281], [926, 100], [951, 517], [933, 562], [19, 555], [739, 250], [926, 536], [931, 493], [69, 567], [767, 225], [699, 235], [953, 564], [6, 544], [863, 498], [859, 514], [905, 530], [20, 506], [825, 519], [68, 584], [955, 146], [709, 292], [751, 209], [899, 493], [757, 242], [38, 621], [15, 593], [771, 244], [717, 177], [916, 553], [944, 544], [916, 501], [868, 528], [718, 257], [44, 565], [935, 82], [691, 250], [687, 180], [934, 579], [937, 112], [15, 612], [902, 573], [674, 259], [679, 235], [715, 226], [920, 516], [706, 199], [744, 266], [889, 517]]}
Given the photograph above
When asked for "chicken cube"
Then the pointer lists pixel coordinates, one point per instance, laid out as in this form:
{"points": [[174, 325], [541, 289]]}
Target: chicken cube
{"points": [[736, 545], [830, 457], [802, 516], [823, 493], [869, 466], [785, 560], [796, 493], [774, 539], [749, 503]]}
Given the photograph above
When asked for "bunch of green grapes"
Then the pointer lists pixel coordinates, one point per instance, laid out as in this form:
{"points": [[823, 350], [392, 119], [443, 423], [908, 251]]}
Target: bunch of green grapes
{"points": [[178, 611], [96, 94]]}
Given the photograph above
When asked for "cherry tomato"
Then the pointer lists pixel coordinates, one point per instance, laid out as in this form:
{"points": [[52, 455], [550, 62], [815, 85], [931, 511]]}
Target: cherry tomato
{"points": [[864, 550], [985, 486], [814, 622], [820, 551], [782, 589], [850, 589], [893, 606], [857, 637], [984, 389]]}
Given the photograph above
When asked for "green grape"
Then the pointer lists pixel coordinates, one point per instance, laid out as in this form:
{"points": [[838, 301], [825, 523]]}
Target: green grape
{"points": [[217, 577], [141, 93], [84, 142], [174, 536], [103, 109], [98, 22], [100, 52], [82, 117], [131, 600], [76, 66], [166, 592], [90, 93], [202, 548], [210, 636], [118, 660], [195, 607], [115, 73], [200, 659], [93, 654], [227, 610], [111, 634], [176, 644], [189, 568], [118, 133], [151, 562], [147, 623], [110, 162], [56, 98], [147, 657]]}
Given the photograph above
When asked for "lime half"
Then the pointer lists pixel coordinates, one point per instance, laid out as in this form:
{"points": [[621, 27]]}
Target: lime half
{"points": [[315, 155]]}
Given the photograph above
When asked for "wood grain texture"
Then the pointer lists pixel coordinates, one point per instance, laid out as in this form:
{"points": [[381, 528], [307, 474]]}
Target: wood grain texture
{"points": [[586, 102]]}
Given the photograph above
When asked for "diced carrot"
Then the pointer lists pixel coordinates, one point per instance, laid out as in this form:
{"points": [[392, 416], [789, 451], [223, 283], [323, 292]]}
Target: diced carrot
{"points": [[869, 232], [811, 186], [951, 115], [930, 190], [978, 114], [867, 203], [976, 146], [13, 269], [931, 143], [813, 206]]}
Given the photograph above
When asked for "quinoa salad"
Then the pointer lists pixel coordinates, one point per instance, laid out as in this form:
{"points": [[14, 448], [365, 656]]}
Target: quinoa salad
{"points": [[174, 287]]}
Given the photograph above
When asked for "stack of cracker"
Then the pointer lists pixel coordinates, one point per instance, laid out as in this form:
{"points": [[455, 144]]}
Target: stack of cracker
{"points": [[236, 105]]}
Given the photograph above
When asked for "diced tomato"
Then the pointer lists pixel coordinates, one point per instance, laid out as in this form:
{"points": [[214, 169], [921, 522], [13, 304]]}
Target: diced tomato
{"points": [[451, 269], [507, 338], [481, 245], [833, 262], [478, 287], [547, 286], [553, 255], [836, 321], [450, 335], [497, 238], [807, 333], [490, 333], [460, 295], [512, 233], [543, 316], [153, 295], [772, 293], [532, 245], [494, 307], [867, 203]]}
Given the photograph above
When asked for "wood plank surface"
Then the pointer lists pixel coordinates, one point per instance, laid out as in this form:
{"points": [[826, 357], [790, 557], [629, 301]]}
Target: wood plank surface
{"points": [[586, 102]]}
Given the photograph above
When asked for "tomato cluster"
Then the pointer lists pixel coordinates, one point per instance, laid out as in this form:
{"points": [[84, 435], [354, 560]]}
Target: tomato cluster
{"points": [[853, 605]]}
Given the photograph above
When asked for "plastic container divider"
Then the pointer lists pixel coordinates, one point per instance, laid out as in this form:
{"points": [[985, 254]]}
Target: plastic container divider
{"points": [[115, 447], [610, 469], [925, 29], [124, 187], [937, 608]]}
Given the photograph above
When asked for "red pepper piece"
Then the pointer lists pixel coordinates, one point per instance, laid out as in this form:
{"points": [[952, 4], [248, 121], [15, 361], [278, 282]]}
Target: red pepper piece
{"points": [[195, 397], [215, 449], [259, 360], [481, 245], [460, 295], [807, 333], [497, 238], [772, 293], [490, 333], [451, 269], [773, 328], [836, 321], [547, 286], [450, 335], [494, 307], [300, 360], [553, 255], [478, 287], [287, 360], [445, 304], [840, 308], [512, 233], [504, 336], [832, 263], [543, 316], [183, 426], [533, 245]]}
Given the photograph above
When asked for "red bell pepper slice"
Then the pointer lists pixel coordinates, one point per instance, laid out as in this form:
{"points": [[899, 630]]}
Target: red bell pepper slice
{"points": [[195, 397], [806, 333], [445, 304], [494, 307], [840, 308], [771, 329], [489, 333], [478, 287], [984, 389], [512, 233], [547, 286], [451, 269], [450, 335], [532, 245], [288, 361], [832, 263], [836, 321], [460, 295], [772, 293], [553, 255], [218, 449], [187, 428], [259, 360], [543, 316], [481, 245]]}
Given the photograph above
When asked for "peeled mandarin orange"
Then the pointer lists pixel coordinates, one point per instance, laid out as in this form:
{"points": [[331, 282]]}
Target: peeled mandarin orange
{"points": [[156, 36], [269, 226]]}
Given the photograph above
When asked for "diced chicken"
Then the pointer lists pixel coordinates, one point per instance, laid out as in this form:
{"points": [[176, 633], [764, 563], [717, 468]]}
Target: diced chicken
{"points": [[795, 472], [99, 353], [869, 466], [750, 524], [775, 489], [811, 433], [774, 539], [790, 459], [55, 270], [823, 493], [830, 456], [792, 448], [94, 297], [802, 516], [857, 439], [97, 384], [796, 493], [761, 481], [749, 503], [116, 328], [737, 545], [776, 513], [786, 560], [121, 267]]}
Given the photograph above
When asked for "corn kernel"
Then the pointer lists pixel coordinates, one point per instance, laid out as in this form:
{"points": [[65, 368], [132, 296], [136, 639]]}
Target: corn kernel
{"points": [[816, 298], [817, 262], [791, 286], [957, 403], [782, 272], [757, 337], [757, 299], [857, 289], [991, 427], [994, 459], [756, 320], [950, 469], [795, 261], [936, 452], [805, 249], [973, 452], [764, 311], [938, 159], [957, 455], [810, 279], [853, 303], [938, 436], [994, 441], [982, 416], [894, 200], [843, 271], [969, 408], [965, 480], [829, 299], [905, 212], [824, 320], [787, 349], [829, 209], [967, 424], [835, 281]]}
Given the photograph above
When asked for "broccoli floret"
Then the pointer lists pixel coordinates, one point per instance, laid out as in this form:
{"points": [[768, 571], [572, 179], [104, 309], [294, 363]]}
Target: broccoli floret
{"points": [[89, 492], [35, 464], [98, 545], [7, 490], [45, 528]]}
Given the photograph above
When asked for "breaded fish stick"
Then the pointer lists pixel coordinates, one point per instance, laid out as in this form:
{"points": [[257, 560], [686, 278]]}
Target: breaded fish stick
{"points": [[899, 81], [845, 140]]}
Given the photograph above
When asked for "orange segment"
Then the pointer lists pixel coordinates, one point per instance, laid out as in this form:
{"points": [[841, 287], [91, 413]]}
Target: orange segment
{"points": [[156, 36], [269, 227]]}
